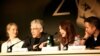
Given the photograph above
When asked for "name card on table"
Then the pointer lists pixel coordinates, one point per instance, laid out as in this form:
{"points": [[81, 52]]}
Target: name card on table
{"points": [[76, 47], [19, 50], [55, 48]]}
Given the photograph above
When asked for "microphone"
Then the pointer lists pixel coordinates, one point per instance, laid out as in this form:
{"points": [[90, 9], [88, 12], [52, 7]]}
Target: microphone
{"points": [[9, 49]]}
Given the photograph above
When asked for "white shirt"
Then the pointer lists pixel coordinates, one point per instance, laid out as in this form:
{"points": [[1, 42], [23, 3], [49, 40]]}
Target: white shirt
{"points": [[9, 43]]}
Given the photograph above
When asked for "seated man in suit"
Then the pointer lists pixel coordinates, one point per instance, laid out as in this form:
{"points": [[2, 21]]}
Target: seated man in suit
{"points": [[92, 33], [38, 38]]}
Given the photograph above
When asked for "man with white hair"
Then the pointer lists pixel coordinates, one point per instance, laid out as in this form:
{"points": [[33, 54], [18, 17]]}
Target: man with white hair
{"points": [[38, 38]]}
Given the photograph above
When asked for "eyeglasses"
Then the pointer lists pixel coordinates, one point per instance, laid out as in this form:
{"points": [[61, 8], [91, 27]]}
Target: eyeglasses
{"points": [[35, 28]]}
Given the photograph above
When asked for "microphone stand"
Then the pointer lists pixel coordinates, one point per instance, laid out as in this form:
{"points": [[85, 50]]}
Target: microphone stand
{"points": [[9, 49]]}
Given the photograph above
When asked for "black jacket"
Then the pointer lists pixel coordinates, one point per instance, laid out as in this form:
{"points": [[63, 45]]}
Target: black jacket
{"points": [[30, 41], [91, 43]]}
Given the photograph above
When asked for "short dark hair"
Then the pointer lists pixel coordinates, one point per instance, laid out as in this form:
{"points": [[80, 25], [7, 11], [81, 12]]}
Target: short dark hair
{"points": [[98, 1], [94, 21]]}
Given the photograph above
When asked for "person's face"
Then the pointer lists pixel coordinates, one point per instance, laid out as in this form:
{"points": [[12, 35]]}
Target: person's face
{"points": [[89, 28], [12, 31], [36, 30], [62, 32]]}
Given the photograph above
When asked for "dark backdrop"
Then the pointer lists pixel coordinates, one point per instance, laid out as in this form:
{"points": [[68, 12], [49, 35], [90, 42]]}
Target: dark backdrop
{"points": [[24, 11]]}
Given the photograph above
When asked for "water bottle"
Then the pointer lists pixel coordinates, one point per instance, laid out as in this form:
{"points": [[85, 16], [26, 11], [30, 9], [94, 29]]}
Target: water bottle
{"points": [[49, 42]]}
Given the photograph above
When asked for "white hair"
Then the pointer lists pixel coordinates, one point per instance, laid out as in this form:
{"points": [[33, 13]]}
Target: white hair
{"points": [[37, 22]]}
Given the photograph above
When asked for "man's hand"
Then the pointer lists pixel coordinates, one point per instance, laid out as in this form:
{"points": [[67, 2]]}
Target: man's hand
{"points": [[34, 46], [97, 47], [87, 35], [43, 44]]}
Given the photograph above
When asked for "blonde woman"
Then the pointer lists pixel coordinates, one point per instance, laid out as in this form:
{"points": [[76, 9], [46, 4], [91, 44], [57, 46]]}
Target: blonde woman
{"points": [[13, 41]]}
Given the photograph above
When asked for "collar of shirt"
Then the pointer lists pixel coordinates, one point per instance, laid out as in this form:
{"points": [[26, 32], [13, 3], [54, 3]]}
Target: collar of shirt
{"points": [[15, 40]]}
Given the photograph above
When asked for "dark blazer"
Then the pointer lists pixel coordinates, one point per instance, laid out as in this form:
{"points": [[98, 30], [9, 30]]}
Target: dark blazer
{"points": [[30, 41], [91, 43]]}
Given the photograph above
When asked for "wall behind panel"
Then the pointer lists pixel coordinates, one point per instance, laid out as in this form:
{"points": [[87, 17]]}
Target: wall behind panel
{"points": [[24, 11]]}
